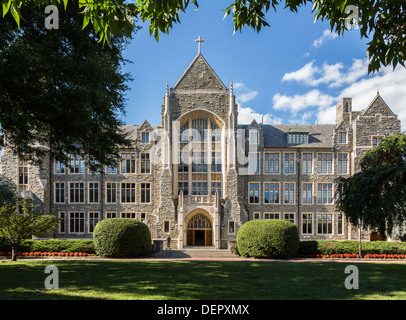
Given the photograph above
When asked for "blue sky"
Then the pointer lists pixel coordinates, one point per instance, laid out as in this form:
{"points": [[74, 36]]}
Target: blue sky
{"points": [[293, 72]]}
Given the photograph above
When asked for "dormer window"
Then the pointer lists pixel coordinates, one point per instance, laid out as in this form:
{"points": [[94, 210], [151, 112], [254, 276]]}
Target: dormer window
{"points": [[298, 137], [254, 137], [342, 137], [145, 137]]}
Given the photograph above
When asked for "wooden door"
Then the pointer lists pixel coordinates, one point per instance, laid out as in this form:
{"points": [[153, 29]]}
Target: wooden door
{"points": [[190, 238], [208, 238]]}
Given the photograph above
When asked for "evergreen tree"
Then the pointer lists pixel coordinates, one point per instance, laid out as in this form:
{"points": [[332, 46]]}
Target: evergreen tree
{"points": [[375, 197], [7, 190], [60, 90]]}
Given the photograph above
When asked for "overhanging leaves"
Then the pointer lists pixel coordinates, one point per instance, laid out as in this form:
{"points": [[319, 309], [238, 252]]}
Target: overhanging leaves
{"points": [[382, 21]]}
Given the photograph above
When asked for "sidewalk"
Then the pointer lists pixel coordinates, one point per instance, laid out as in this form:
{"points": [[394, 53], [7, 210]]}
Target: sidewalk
{"points": [[198, 255], [187, 255]]}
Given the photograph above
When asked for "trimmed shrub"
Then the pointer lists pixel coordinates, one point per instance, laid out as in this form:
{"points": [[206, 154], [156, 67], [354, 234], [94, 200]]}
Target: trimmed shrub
{"points": [[121, 238], [328, 247], [51, 245], [268, 239]]}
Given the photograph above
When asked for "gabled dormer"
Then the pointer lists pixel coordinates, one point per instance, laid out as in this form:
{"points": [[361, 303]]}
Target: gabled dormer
{"points": [[297, 137], [342, 133], [144, 132], [255, 135]]}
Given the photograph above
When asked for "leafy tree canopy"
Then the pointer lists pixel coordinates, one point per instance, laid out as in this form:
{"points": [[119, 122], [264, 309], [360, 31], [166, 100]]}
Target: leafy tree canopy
{"points": [[7, 190], [59, 89], [383, 21], [375, 197], [21, 220], [391, 151]]}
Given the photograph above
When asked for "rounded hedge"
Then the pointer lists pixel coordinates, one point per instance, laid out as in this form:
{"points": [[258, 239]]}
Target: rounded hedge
{"points": [[121, 238], [268, 239]]}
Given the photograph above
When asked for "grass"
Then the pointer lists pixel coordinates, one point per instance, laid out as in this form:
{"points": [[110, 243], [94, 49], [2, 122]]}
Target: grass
{"points": [[200, 280]]}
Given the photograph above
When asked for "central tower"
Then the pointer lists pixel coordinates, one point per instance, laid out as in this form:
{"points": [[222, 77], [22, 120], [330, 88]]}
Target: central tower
{"points": [[199, 117]]}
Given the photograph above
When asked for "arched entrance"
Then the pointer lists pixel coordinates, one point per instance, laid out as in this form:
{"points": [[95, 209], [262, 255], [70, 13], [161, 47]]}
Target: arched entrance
{"points": [[199, 231]]}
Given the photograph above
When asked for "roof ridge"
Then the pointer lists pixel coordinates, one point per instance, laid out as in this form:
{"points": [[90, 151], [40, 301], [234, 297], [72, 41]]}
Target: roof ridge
{"points": [[190, 66]]}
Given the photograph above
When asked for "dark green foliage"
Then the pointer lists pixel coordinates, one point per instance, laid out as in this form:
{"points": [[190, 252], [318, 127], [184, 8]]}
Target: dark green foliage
{"points": [[122, 237], [60, 88], [51, 245], [268, 239], [349, 246], [376, 196], [7, 190], [23, 220], [381, 21], [391, 151]]}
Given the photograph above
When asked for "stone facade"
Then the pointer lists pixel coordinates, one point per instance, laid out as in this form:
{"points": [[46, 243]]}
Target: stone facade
{"points": [[199, 175]]}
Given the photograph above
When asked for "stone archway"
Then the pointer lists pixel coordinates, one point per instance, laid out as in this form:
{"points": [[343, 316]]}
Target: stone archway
{"points": [[199, 230]]}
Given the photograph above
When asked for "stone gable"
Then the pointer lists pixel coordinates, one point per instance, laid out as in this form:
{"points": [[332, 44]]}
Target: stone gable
{"points": [[378, 106], [199, 76]]}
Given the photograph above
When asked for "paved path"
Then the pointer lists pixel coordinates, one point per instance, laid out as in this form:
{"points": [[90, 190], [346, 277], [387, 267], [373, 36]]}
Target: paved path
{"points": [[200, 255]]}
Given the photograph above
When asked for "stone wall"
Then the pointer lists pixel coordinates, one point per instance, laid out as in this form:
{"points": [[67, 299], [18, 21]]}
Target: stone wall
{"points": [[377, 121], [102, 207], [200, 93], [38, 179]]}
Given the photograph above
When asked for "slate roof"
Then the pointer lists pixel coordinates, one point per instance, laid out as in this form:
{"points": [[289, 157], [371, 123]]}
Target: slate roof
{"points": [[133, 129], [275, 136]]}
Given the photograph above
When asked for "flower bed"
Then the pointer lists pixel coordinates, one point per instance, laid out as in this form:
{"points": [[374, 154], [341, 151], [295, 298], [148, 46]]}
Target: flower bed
{"points": [[385, 256], [352, 256], [334, 255], [49, 254]]}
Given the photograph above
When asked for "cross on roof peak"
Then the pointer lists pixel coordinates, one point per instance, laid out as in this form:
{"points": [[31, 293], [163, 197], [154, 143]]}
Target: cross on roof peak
{"points": [[199, 41]]}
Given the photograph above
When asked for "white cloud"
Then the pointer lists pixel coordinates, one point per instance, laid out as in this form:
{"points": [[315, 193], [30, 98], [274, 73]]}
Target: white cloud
{"points": [[246, 115], [243, 94], [304, 74], [327, 35], [360, 87], [245, 97], [358, 69], [330, 74], [303, 118], [238, 85], [326, 115], [299, 102], [392, 88], [319, 104]]}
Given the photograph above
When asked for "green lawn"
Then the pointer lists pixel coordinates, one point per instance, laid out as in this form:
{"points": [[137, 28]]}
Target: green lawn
{"points": [[208, 280]]}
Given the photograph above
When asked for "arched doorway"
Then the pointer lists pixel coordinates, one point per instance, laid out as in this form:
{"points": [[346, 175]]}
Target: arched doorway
{"points": [[199, 231]]}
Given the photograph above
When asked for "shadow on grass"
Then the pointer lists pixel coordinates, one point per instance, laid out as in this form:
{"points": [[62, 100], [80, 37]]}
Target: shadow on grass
{"points": [[199, 280]]}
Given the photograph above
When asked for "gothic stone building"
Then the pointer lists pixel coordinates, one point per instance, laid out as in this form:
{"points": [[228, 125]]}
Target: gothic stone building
{"points": [[199, 175]]}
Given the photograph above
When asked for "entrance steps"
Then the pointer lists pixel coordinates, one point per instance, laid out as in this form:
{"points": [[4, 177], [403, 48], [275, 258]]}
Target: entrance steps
{"points": [[195, 252]]}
